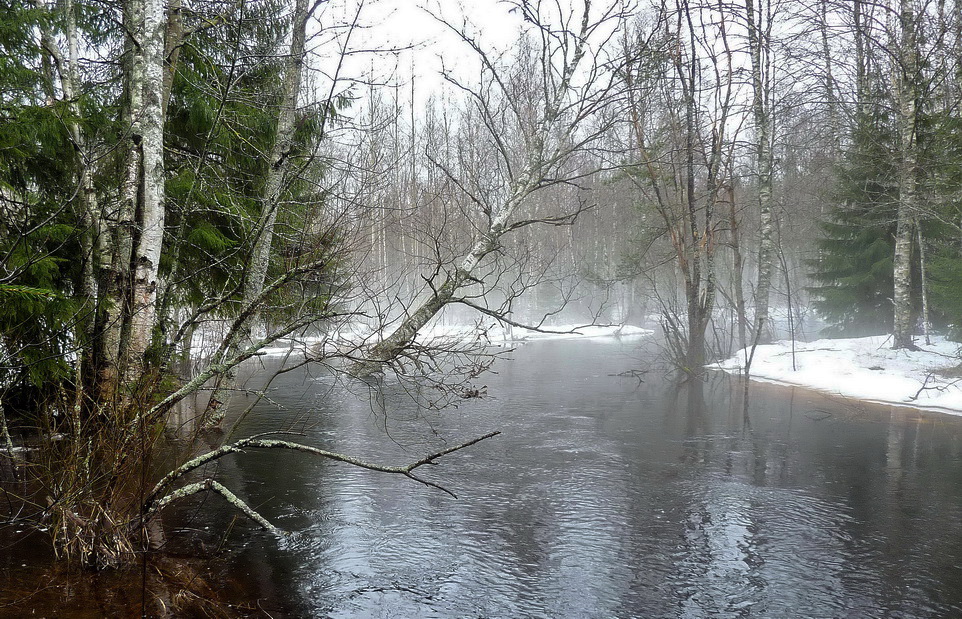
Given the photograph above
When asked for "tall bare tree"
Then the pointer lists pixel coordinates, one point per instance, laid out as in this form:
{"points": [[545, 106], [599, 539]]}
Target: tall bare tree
{"points": [[537, 113], [906, 78], [759, 34], [682, 96]]}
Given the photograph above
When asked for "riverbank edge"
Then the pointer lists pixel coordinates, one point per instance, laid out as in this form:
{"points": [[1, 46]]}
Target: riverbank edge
{"points": [[850, 368], [836, 395]]}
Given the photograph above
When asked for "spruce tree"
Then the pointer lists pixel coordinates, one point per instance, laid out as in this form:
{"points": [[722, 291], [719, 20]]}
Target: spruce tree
{"points": [[853, 270]]}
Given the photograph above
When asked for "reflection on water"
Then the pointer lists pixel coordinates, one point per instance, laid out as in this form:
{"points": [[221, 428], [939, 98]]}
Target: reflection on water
{"points": [[603, 498]]}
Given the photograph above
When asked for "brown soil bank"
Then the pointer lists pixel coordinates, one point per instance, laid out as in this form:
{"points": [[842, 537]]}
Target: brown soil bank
{"points": [[170, 586]]}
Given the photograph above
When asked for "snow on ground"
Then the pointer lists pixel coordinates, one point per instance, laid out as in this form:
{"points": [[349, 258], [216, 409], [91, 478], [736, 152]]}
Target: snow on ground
{"points": [[864, 368], [464, 334], [497, 334]]}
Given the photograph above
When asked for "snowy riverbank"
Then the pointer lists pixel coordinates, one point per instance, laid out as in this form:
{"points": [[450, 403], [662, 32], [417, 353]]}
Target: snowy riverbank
{"points": [[453, 335], [864, 368]]}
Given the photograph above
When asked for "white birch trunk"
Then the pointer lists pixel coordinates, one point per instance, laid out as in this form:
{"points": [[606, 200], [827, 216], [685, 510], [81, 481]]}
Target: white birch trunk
{"points": [[389, 348], [277, 174], [279, 158], [151, 214], [907, 207], [547, 145], [91, 242], [116, 279], [758, 42]]}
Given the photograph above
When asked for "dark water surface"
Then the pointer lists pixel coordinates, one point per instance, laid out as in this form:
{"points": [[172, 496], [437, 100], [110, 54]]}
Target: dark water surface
{"points": [[602, 497]]}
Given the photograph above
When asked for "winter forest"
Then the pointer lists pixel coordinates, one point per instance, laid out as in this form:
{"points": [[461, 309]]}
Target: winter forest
{"points": [[187, 187]]}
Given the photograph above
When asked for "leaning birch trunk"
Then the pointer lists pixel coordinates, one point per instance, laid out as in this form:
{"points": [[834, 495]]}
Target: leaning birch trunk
{"points": [[764, 162], [547, 146], [151, 215], [905, 83], [391, 346], [256, 274]]}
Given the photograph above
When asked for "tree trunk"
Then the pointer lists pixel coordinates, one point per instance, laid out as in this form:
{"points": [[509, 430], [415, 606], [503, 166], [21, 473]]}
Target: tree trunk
{"points": [[115, 281], [831, 98], [907, 208], [926, 324], [128, 303], [391, 346], [737, 272], [152, 208], [761, 110], [93, 249], [277, 175], [861, 59], [697, 325], [172, 43]]}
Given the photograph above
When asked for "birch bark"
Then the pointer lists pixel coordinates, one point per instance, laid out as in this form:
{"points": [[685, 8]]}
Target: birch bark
{"points": [[93, 248], [906, 88], [151, 212], [277, 174], [761, 110], [115, 280], [128, 307], [548, 143]]}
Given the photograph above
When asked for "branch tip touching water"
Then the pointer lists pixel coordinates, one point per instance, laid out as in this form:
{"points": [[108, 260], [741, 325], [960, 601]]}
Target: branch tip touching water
{"points": [[153, 505]]}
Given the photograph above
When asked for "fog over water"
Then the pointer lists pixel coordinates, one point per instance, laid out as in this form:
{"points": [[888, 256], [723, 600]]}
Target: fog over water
{"points": [[603, 497]]}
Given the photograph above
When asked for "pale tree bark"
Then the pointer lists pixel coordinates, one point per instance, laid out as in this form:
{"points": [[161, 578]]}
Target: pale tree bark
{"points": [[759, 50], [906, 79], [128, 307], [116, 276], [94, 250], [279, 164], [402, 336], [279, 161], [152, 209]]}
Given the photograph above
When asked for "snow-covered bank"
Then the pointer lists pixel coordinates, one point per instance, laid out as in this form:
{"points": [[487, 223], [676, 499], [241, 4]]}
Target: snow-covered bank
{"points": [[497, 334], [461, 334], [864, 368]]}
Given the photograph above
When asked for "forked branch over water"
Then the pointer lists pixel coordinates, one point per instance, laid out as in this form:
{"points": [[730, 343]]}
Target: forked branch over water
{"points": [[153, 504]]}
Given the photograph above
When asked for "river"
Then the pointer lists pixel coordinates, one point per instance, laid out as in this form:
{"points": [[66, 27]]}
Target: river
{"points": [[603, 496]]}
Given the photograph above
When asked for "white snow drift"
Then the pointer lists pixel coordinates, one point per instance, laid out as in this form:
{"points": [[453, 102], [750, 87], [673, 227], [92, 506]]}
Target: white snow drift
{"points": [[864, 368]]}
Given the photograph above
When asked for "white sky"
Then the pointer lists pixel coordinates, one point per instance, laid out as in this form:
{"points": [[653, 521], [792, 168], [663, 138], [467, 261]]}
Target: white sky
{"points": [[420, 41]]}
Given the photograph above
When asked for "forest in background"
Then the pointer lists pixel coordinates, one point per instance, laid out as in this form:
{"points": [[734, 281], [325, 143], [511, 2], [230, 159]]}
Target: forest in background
{"points": [[183, 186]]}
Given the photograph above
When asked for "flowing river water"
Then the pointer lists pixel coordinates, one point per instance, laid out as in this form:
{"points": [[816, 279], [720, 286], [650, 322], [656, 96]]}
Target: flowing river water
{"points": [[604, 496]]}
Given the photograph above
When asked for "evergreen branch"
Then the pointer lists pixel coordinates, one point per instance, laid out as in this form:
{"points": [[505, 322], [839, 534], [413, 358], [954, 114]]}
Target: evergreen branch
{"points": [[27, 291]]}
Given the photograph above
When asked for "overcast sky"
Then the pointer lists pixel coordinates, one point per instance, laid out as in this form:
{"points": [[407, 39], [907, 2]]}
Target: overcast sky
{"points": [[420, 41]]}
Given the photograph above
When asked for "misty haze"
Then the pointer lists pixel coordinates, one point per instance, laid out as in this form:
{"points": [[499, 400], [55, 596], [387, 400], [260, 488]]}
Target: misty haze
{"points": [[502, 308]]}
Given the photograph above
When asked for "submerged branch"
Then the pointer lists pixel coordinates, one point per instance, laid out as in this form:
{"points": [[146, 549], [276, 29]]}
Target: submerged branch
{"points": [[152, 504], [233, 499]]}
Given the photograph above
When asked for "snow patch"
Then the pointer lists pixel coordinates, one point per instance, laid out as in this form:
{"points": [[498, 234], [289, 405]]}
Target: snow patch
{"points": [[497, 334], [492, 334], [864, 368]]}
